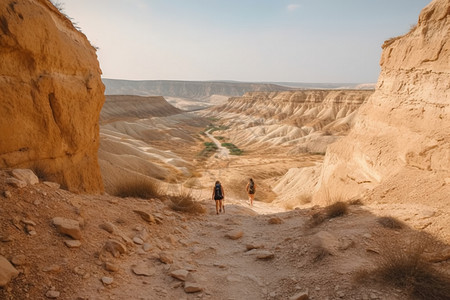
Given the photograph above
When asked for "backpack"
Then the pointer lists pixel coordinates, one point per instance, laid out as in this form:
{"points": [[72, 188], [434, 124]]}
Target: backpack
{"points": [[251, 188], [218, 192]]}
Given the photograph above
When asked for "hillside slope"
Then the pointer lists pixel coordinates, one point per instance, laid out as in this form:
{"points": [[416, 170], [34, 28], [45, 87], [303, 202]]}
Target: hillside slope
{"points": [[304, 120], [145, 138]]}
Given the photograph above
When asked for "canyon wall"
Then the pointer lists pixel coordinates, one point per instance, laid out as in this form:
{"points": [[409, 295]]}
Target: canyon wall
{"points": [[305, 120], [51, 96], [403, 131]]}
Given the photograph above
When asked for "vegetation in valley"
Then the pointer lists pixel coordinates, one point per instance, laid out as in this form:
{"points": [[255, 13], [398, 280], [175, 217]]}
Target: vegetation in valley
{"points": [[233, 149], [211, 128], [209, 149]]}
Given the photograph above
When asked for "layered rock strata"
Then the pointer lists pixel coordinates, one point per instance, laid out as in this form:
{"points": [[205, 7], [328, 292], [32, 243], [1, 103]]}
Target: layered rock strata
{"points": [[306, 119], [405, 125], [51, 95]]}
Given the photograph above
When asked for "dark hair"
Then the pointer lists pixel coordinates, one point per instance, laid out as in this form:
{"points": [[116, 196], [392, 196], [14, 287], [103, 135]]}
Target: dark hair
{"points": [[251, 180], [217, 182]]}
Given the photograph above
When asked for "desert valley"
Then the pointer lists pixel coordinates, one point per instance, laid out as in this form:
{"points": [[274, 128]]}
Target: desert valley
{"points": [[106, 185]]}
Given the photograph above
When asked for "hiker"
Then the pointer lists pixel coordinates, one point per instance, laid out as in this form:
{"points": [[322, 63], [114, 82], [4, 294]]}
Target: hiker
{"points": [[218, 195], [251, 189]]}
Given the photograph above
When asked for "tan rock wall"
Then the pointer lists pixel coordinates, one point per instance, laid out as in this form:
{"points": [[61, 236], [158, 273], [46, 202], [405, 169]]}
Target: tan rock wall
{"points": [[406, 123], [51, 95]]}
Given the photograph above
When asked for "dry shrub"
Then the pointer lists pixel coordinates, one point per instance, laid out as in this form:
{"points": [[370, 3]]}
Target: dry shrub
{"points": [[404, 266], [390, 222], [316, 219], [319, 253], [337, 209], [184, 202], [329, 212], [356, 202], [138, 188], [41, 171]]}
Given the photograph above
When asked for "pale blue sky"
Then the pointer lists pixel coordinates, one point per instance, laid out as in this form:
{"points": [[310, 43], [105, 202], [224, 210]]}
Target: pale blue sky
{"points": [[243, 40]]}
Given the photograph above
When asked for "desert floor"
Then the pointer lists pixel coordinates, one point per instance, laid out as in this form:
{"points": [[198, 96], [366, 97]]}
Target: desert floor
{"points": [[143, 249]]}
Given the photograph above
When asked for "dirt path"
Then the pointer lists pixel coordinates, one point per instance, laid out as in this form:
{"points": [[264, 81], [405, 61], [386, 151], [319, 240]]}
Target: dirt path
{"points": [[222, 152]]}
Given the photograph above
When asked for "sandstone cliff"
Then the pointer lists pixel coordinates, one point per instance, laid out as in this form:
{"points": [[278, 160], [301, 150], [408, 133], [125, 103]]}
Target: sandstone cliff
{"points": [[51, 95], [306, 120], [402, 134]]}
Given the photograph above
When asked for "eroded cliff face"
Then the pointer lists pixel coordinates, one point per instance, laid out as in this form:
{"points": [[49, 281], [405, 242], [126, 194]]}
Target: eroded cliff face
{"points": [[403, 131], [51, 95], [306, 120]]}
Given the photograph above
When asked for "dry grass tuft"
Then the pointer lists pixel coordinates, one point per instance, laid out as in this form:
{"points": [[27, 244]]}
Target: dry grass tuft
{"points": [[185, 202], [405, 266], [138, 188], [337, 209], [316, 219], [41, 171], [356, 202], [334, 210], [319, 253], [390, 222]]}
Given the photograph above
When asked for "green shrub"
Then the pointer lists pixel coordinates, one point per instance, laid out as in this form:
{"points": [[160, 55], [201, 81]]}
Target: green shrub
{"points": [[233, 149]]}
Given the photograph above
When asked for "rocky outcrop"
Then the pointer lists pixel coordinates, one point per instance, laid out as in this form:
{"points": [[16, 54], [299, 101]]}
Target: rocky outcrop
{"points": [[405, 125], [51, 95], [306, 119]]}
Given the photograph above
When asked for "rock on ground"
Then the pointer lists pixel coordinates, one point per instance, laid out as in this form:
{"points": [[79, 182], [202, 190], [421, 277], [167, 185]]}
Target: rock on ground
{"points": [[68, 227], [7, 271]]}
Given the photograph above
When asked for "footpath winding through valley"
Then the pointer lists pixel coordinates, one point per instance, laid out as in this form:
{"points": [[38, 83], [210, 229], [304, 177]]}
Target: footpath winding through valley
{"points": [[222, 152]]}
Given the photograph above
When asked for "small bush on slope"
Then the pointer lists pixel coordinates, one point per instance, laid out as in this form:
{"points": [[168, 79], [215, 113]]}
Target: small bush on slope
{"points": [[390, 222], [405, 266], [334, 210], [186, 203], [138, 188]]}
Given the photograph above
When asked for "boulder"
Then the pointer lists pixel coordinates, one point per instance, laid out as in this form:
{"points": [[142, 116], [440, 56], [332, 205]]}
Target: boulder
{"points": [[143, 269], [165, 258], [180, 274], [235, 234], [16, 182], [68, 227], [72, 243], [115, 248], [25, 175], [265, 255], [7, 271], [192, 287]]}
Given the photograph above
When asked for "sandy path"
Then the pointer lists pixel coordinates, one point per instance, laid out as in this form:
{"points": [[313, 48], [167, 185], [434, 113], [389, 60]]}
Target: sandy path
{"points": [[222, 152]]}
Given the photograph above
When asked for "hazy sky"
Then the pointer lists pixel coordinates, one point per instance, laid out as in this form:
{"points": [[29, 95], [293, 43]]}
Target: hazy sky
{"points": [[243, 40]]}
